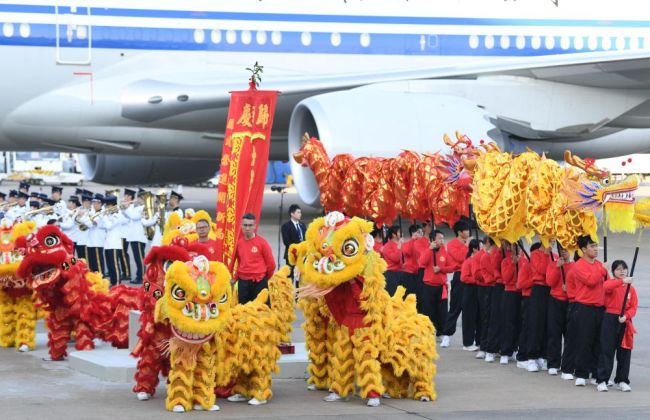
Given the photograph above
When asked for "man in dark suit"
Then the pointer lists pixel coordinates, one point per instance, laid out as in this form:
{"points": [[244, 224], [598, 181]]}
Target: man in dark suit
{"points": [[293, 231]]}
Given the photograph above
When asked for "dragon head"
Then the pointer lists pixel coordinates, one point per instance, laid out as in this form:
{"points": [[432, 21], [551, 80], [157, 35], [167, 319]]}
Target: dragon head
{"points": [[337, 250], [197, 300], [48, 254]]}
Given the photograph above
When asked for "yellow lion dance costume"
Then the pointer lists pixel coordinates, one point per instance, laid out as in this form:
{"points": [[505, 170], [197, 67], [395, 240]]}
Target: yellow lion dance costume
{"points": [[355, 332], [18, 312], [216, 342]]}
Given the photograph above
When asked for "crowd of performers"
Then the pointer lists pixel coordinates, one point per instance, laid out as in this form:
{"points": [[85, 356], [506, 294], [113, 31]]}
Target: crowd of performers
{"points": [[567, 315]]}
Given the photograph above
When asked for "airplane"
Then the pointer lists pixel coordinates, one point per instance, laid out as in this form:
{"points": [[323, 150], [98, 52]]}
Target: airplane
{"points": [[140, 88]]}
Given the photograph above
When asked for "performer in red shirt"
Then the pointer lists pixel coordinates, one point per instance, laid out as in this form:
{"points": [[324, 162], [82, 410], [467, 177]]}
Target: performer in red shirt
{"points": [[434, 291], [457, 252], [617, 332], [485, 281], [556, 274], [410, 267], [590, 275], [496, 293], [254, 258], [510, 303], [203, 231], [391, 252], [421, 246], [525, 285], [569, 350], [470, 320]]}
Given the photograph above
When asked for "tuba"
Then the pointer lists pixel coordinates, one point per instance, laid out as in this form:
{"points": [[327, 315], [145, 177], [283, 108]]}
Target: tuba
{"points": [[148, 211], [162, 205]]}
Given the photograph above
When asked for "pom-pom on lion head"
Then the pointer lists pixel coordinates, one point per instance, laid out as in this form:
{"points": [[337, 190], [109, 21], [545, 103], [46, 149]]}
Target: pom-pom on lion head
{"points": [[337, 250]]}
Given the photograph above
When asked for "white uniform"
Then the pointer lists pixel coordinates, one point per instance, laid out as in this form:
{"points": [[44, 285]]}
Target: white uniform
{"points": [[153, 221], [60, 208], [82, 235], [135, 228], [16, 211], [112, 225], [96, 233], [179, 211], [69, 226]]}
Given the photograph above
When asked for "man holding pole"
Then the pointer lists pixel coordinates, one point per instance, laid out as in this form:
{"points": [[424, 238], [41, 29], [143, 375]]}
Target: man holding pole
{"points": [[457, 250]]}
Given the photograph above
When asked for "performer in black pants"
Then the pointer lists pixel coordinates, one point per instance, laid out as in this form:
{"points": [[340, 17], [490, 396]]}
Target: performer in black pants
{"points": [[470, 320], [457, 252]]}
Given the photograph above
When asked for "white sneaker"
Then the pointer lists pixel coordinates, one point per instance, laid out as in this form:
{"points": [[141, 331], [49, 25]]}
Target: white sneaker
{"points": [[387, 396], [581, 382], [446, 340], [473, 347], [199, 407], [427, 399], [593, 381], [255, 401], [23, 348], [480, 355], [541, 363], [489, 357], [311, 387], [552, 372], [374, 402], [522, 365], [532, 366], [178, 409], [504, 360], [624, 387], [611, 383], [567, 376], [237, 398], [143, 396], [602, 387], [333, 396]]}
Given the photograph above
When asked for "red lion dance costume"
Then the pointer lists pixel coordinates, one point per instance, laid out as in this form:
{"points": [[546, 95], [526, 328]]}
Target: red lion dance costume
{"points": [[78, 301]]}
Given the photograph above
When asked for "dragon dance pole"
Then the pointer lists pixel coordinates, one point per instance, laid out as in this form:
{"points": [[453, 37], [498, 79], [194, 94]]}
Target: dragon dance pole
{"points": [[636, 254], [559, 255], [523, 250], [605, 233]]}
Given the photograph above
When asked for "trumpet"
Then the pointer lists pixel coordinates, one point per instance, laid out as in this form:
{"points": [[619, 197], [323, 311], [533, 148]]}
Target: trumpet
{"points": [[42, 210], [105, 212], [77, 219], [5, 206]]}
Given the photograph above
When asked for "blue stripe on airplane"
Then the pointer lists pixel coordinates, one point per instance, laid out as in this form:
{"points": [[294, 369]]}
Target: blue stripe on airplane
{"points": [[183, 39], [286, 17]]}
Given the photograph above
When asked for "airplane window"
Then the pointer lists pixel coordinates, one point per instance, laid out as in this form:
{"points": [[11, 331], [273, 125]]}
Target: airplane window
{"points": [[24, 30], [578, 43], [473, 42], [82, 32], [215, 36], [199, 36], [549, 42], [246, 37], [364, 40], [635, 43], [620, 43], [520, 42], [305, 38], [565, 42], [606, 43], [489, 42], [504, 42], [335, 39], [592, 43], [8, 30], [276, 37], [260, 37], [231, 36], [536, 42]]}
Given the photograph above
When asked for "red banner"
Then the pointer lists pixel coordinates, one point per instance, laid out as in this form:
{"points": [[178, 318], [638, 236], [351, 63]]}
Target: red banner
{"points": [[244, 158]]}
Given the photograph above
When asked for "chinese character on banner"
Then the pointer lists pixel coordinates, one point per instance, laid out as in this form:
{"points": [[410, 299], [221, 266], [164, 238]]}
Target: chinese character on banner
{"points": [[244, 157]]}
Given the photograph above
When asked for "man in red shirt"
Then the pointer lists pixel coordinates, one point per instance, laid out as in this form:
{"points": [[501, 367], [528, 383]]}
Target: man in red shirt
{"points": [[589, 274], [203, 231], [470, 320], [525, 285], [391, 252], [421, 246], [569, 350], [457, 251], [254, 258], [510, 303], [496, 293], [410, 266], [434, 291], [556, 274], [537, 311], [485, 281]]}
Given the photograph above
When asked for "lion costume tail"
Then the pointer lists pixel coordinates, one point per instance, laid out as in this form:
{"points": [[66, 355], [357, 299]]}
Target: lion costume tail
{"points": [[281, 293], [123, 299]]}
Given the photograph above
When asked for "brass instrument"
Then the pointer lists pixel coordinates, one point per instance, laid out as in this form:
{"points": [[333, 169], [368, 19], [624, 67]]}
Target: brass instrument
{"points": [[162, 205], [5, 206], [105, 212], [42, 210], [148, 198]]}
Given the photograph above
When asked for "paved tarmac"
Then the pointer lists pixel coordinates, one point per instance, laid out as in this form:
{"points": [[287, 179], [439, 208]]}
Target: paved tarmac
{"points": [[467, 388]]}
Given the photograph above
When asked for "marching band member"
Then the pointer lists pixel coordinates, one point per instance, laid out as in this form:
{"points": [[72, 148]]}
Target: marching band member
{"points": [[81, 219], [60, 207], [16, 211], [125, 260], [37, 218], [174, 204], [3, 197], [68, 223], [135, 233], [96, 236], [111, 221], [23, 187]]}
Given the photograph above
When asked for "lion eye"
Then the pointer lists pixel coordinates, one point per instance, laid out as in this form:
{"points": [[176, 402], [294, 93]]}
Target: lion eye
{"points": [[224, 298], [350, 248], [606, 181], [178, 293], [157, 294], [51, 240]]}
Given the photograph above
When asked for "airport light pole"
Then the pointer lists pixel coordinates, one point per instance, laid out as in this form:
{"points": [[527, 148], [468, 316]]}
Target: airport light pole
{"points": [[280, 189]]}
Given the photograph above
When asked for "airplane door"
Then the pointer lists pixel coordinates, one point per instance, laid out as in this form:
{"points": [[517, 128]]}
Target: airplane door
{"points": [[73, 32]]}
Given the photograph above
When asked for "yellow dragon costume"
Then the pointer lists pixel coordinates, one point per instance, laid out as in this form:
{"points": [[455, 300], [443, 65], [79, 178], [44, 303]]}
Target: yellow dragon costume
{"points": [[18, 312], [355, 332], [216, 342]]}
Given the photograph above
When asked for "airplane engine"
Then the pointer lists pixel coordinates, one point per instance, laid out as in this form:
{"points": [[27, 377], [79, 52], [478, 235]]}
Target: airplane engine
{"points": [[146, 170], [369, 122]]}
